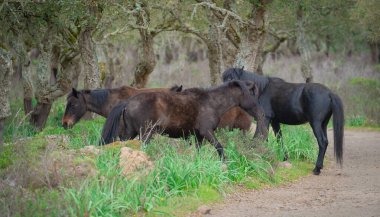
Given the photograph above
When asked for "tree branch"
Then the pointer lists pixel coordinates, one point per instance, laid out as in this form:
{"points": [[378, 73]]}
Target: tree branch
{"points": [[224, 12]]}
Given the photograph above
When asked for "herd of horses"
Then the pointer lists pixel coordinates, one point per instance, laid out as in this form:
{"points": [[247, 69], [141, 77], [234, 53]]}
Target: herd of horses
{"points": [[179, 113]]}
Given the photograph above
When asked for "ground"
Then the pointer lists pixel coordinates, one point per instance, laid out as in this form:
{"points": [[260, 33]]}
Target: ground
{"points": [[353, 190]]}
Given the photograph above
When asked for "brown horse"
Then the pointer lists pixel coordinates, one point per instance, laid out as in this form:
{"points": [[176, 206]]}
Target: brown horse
{"points": [[101, 101], [180, 114]]}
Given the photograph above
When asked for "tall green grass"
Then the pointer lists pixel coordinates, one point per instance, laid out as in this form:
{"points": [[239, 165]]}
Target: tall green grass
{"points": [[298, 141], [180, 170]]}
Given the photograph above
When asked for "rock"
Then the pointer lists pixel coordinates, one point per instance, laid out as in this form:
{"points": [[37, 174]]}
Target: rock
{"points": [[204, 210], [90, 150], [132, 161], [57, 141], [285, 164], [134, 144]]}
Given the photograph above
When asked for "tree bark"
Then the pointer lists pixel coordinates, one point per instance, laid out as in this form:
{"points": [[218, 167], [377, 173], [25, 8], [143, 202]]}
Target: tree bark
{"points": [[41, 111], [147, 57], [5, 79], [215, 51], [110, 55], [252, 40], [304, 46], [89, 59], [27, 87]]}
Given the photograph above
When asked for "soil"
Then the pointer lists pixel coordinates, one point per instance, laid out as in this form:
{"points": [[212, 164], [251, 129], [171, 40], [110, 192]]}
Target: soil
{"points": [[353, 190]]}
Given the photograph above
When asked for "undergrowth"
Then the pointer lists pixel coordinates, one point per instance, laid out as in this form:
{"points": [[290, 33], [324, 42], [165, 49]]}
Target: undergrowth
{"points": [[180, 170]]}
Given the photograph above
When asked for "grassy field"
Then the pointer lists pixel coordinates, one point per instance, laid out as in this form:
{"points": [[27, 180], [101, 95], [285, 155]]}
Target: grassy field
{"points": [[181, 179]]}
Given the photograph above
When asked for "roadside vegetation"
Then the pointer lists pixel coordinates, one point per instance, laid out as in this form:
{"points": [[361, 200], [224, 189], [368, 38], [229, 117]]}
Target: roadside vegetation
{"points": [[181, 179]]}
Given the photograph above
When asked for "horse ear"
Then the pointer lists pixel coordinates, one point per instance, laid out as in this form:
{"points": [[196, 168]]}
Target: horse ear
{"points": [[176, 88], [75, 93]]}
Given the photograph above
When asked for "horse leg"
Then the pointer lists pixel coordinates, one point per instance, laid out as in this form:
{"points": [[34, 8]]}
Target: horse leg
{"points": [[278, 133], [324, 128], [212, 139], [122, 132], [199, 141], [322, 144], [258, 132]]}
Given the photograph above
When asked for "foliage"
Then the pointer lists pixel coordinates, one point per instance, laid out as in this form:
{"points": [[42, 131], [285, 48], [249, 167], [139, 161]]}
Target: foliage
{"points": [[365, 103], [356, 121], [367, 13]]}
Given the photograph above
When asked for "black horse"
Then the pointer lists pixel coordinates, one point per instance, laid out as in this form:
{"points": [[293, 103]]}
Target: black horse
{"points": [[294, 104]]}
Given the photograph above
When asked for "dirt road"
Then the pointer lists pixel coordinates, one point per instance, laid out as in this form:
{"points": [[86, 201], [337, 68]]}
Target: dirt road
{"points": [[351, 191]]}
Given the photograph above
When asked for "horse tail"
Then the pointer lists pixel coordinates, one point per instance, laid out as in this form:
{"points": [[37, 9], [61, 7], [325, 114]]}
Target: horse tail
{"points": [[338, 123], [111, 127]]}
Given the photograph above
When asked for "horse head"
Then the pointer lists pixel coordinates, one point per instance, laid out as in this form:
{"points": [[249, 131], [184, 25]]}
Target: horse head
{"points": [[75, 108], [249, 101], [232, 74]]}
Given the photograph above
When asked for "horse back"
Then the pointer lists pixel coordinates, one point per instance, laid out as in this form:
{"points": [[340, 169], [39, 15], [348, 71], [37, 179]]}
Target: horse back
{"points": [[283, 102], [125, 92], [170, 111], [297, 103]]}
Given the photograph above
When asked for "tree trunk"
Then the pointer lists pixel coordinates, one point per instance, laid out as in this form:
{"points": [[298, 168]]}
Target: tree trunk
{"points": [[27, 87], [304, 46], [215, 54], [5, 79], [41, 111], [89, 59], [90, 63], [252, 40], [110, 55], [375, 52], [40, 115], [147, 57]]}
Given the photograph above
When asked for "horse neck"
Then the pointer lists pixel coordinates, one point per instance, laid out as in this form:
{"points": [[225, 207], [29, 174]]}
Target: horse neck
{"points": [[222, 102], [260, 80], [93, 105]]}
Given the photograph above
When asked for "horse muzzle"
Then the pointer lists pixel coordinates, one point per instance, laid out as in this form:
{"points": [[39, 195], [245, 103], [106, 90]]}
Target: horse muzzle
{"points": [[67, 123]]}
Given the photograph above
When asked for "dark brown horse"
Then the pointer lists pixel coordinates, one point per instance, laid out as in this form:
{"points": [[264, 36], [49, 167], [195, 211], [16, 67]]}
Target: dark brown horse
{"points": [[101, 101], [293, 104], [180, 114]]}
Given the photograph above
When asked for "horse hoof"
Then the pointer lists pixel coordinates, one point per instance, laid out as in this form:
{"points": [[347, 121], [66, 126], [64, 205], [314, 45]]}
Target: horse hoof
{"points": [[316, 171]]}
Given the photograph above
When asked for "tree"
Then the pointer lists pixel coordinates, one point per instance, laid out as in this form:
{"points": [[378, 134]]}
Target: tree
{"points": [[304, 45], [5, 77], [50, 55], [366, 14], [87, 46]]}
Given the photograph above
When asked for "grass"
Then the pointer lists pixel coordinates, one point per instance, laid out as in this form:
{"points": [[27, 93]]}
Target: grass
{"points": [[182, 179]]}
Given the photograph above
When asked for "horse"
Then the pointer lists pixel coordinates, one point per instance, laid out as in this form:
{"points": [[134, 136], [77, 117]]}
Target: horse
{"points": [[101, 101], [193, 111], [298, 103]]}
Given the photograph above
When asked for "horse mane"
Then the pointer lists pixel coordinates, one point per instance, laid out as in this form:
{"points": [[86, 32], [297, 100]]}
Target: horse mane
{"points": [[98, 96], [203, 92], [260, 80]]}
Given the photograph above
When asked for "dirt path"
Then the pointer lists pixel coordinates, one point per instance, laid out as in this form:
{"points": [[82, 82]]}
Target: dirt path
{"points": [[351, 191]]}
